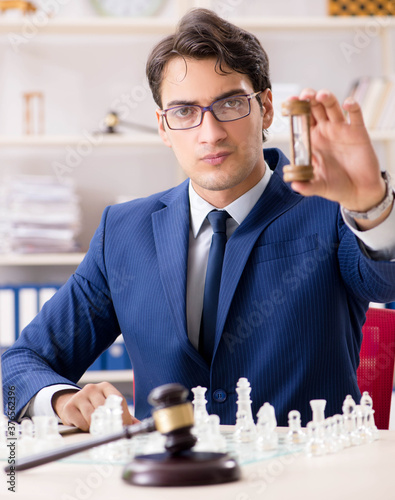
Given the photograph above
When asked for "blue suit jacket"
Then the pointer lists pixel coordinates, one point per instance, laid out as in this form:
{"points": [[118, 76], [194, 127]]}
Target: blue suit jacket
{"points": [[293, 297]]}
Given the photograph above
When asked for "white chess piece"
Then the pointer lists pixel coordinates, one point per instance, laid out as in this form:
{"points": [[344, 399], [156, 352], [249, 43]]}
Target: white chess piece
{"points": [[333, 443], [113, 404], [295, 435], [267, 438], [46, 434], [342, 436], [318, 409], [26, 443], [315, 443], [338, 432], [107, 419], [350, 420], [210, 438], [367, 403], [245, 430], [199, 405]]}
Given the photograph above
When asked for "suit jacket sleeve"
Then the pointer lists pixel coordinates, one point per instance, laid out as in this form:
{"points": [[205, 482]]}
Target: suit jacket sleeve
{"points": [[71, 331], [366, 279]]}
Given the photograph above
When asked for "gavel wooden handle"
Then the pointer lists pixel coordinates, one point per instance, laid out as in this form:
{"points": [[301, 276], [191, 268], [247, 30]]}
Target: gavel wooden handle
{"points": [[147, 425]]}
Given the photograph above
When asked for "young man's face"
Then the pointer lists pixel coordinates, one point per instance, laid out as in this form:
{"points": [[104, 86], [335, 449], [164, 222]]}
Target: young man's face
{"points": [[223, 159]]}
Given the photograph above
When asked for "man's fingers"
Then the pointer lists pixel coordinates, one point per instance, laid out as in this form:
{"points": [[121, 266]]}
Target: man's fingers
{"points": [[75, 413], [77, 408], [354, 111], [331, 106], [126, 416], [317, 110]]}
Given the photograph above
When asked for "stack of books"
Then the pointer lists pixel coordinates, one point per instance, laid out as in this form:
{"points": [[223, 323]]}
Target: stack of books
{"points": [[38, 215], [376, 95]]}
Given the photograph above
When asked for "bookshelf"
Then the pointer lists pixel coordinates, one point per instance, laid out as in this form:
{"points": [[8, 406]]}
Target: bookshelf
{"points": [[48, 259], [112, 376], [98, 179]]}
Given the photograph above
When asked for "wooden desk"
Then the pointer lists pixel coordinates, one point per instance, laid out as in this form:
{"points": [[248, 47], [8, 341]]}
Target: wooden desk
{"points": [[363, 472]]}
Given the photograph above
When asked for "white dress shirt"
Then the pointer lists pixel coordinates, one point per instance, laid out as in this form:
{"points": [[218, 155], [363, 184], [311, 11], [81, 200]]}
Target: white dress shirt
{"points": [[379, 243]]}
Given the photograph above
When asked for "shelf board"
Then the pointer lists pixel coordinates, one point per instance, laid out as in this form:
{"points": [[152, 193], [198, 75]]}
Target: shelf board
{"points": [[163, 26], [86, 26], [382, 135], [50, 259], [375, 135], [92, 376], [113, 140], [131, 140]]}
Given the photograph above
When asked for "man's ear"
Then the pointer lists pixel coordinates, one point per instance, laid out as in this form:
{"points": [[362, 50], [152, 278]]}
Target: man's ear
{"points": [[268, 110], [161, 129]]}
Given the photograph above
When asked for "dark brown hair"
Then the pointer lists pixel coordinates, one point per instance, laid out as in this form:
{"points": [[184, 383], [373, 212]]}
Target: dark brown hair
{"points": [[202, 34]]}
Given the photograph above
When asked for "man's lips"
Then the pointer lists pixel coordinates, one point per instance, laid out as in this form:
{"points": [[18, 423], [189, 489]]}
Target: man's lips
{"points": [[216, 158]]}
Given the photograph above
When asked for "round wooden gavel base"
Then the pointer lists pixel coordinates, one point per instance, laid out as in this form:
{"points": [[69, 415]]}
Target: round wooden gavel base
{"points": [[185, 469], [298, 173]]}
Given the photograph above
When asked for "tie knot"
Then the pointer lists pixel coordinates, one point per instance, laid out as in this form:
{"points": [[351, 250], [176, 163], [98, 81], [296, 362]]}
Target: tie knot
{"points": [[217, 219]]}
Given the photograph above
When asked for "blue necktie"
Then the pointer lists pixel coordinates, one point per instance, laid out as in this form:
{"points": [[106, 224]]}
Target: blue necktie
{"points": [[217, 220]]}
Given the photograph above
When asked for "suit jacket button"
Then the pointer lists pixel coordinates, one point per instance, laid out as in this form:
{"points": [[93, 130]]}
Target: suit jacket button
{"points": [[220, 395]]}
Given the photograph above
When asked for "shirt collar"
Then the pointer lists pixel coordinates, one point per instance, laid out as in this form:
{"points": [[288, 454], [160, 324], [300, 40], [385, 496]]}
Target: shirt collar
{"points": [[238, 209]]}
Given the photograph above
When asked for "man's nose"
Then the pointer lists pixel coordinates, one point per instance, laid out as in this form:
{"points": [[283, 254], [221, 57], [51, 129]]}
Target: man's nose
{"points": [[211, 130]]}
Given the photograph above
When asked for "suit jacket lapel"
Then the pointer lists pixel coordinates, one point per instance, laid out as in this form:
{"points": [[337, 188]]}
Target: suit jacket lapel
{"points": [[171, 234], [276, 199]]}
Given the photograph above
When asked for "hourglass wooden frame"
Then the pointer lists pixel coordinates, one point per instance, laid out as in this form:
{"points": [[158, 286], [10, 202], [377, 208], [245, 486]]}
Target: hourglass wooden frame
{"points": [[301, 168]]}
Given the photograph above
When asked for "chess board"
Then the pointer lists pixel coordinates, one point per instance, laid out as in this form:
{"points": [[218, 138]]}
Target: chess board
{"points": [[123, 451], [361, 7]]}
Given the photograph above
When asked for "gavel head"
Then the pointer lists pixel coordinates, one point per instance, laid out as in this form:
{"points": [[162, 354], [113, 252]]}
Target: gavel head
{"points": [[173, 416]]}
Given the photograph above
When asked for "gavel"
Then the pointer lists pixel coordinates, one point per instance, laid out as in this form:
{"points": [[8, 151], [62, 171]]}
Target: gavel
{"points": [[172, 416]]}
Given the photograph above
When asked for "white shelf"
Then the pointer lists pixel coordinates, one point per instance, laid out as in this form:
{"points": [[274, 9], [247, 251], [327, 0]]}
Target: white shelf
{"points": [[100, 140], [93, 376], [132, 140], [375, 135], [50, 259], [87, 26], [154, 25]]}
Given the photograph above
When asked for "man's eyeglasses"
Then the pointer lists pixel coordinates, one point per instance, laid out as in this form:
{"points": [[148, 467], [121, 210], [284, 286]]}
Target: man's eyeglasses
{"points": [[228, 109]]}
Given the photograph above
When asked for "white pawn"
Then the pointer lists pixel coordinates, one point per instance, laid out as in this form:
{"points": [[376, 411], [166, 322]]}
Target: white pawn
{"points": [[43, 432], [245, 431], [53, 435], [350, 420], [26, 443], [295, 436], [332, 442], [367, 403], [266, 428], [362, 431], [337, 423], [219, 441], [113, 406], [98, 422], [342, 436], [199, 405], [315, 444], [209, 437]]}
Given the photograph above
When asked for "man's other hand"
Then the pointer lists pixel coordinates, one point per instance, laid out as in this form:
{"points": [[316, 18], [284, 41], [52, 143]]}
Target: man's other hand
{"points": [[76, 408]]}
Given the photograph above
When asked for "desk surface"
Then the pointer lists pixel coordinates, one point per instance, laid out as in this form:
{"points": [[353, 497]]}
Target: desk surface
{"points": [[362, 472]]}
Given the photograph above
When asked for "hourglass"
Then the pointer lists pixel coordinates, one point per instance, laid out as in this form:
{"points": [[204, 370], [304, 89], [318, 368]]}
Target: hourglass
{"points": [[301, 168]]}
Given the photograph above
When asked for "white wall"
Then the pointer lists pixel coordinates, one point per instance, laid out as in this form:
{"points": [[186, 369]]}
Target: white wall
{"points": [[83, 77]]}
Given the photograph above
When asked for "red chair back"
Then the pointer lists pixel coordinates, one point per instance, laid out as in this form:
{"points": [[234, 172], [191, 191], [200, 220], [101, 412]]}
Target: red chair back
{"points": [[376, 369]]}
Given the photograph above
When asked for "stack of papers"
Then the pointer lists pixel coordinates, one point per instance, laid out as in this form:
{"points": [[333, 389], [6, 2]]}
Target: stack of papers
{"points": [[38, 215]]}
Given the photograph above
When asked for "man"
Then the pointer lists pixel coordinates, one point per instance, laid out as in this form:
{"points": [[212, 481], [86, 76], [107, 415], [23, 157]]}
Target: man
{"points": [[296, 280]]}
